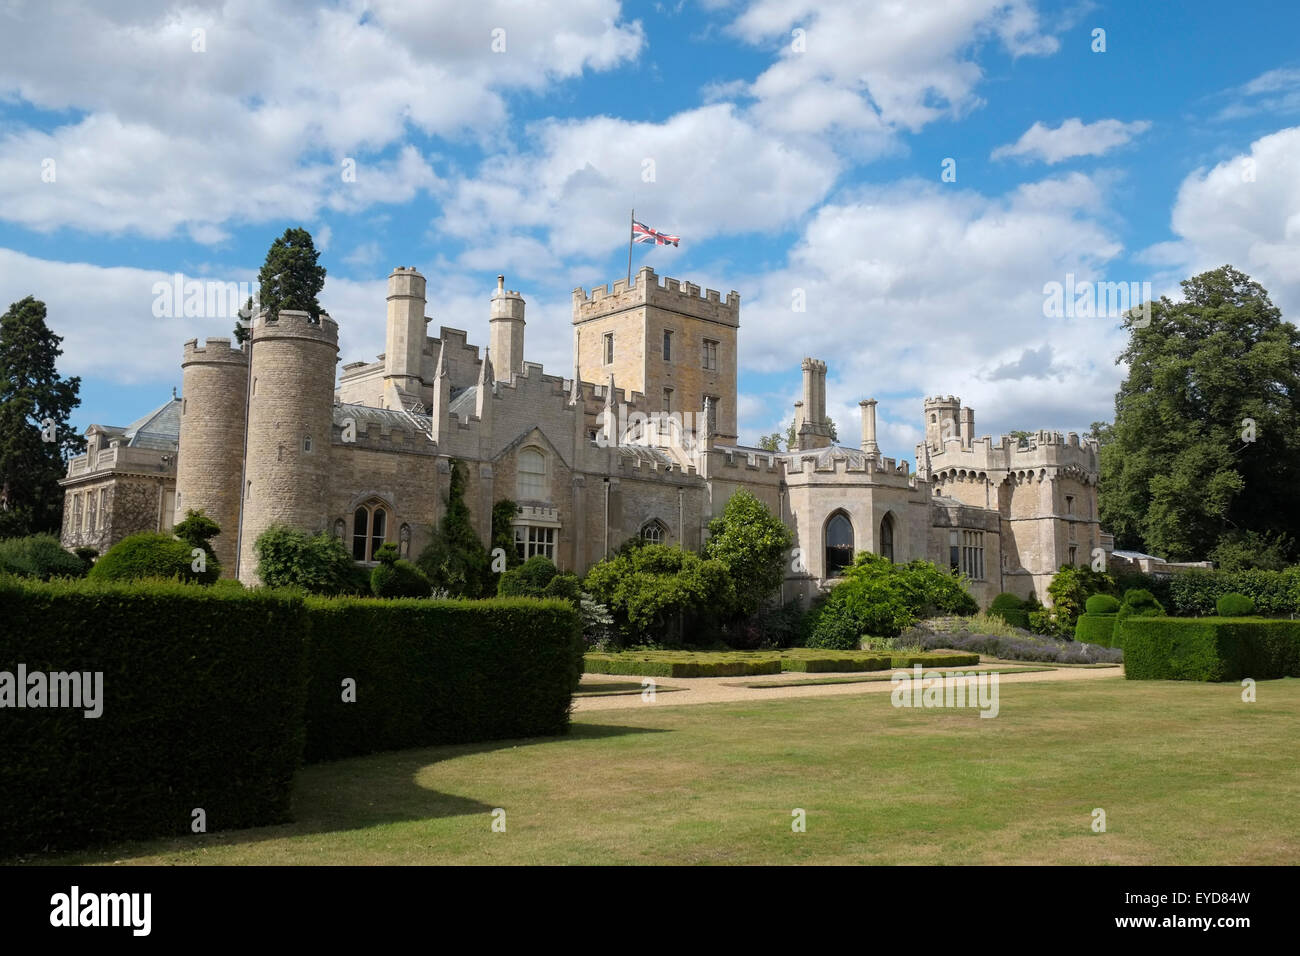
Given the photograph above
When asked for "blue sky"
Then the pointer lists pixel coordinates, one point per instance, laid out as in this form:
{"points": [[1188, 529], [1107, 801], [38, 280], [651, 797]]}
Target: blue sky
{"points": [[793, 164]]}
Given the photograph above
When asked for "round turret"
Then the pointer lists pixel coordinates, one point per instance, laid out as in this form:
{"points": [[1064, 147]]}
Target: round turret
{"points": [[211, 455], [942, 420], [290, 416]]}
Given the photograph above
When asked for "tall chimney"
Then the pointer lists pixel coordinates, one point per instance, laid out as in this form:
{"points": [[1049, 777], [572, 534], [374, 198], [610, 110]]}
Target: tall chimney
{"points": [[869, 445]]}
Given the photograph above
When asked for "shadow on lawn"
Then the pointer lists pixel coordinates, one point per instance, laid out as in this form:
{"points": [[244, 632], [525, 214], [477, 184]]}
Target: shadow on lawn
{"points": [[354, 793]]}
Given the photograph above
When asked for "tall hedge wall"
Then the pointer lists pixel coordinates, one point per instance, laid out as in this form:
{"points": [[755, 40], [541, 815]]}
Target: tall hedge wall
{"points": [[1194, 593], [1096, 629], [437, 672], [1209, 649], [202, 707]]}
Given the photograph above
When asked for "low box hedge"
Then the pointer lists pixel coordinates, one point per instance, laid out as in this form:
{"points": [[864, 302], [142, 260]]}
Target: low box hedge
{"points": [[1210, 649], [1096, 629], [685, 665], [822, 665], [438, 672], [932, 659], [202, 708]]}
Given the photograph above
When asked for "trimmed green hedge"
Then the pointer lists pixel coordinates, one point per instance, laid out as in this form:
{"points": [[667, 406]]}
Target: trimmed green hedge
{"points": [[202, 707], [822, 665], [1011, 608], [438, 672], [933, 659], [1194, 593], [717, 665], [1096, 629], [1210, 649]]}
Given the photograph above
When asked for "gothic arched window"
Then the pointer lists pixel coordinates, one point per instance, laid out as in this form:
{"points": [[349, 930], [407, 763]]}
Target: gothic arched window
{"points": [[839, 543], [887, 537], [369, 529], [654, 532]]}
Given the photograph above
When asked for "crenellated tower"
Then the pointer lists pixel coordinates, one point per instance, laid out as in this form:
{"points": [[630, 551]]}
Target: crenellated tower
{"points": [[210, 458], [290, 417]]}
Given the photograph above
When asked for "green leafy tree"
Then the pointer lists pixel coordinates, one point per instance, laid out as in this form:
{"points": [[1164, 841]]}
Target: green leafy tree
{"points": [[35, 437], [1206, 438], [503, 531], [656, 592], [455, 559], [752, 544], [770, 442], [1070, 589], [291, 277], [792, 434]]}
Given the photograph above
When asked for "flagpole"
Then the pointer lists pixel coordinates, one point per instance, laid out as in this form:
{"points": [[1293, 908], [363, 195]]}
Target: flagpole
{"points": [[631, 227]]}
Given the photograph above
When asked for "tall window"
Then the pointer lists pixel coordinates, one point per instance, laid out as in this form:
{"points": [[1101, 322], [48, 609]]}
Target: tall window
{"points": [[972, 555], [1074, 555], [103, 507], [887, 537], [954, 551], [531, 540], [668, 346], [668, 399], [76, 512], [839, 543], [653, 532], [369, 530], [609, 348], [92, 518], [710, 354], [532, 475]]}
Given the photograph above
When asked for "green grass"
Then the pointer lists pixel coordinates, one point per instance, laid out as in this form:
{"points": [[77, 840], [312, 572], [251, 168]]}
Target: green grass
{"points": [[1186, 773]]}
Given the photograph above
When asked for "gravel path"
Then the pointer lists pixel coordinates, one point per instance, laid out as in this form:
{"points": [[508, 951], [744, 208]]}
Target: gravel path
{"points": [[714, 690]]}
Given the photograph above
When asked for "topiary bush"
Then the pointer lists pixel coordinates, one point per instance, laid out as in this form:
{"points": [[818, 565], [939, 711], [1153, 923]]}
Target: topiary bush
{"points": [[1011, 609], [1139, 602], [396, 578], [1234, 605], [151, 554], [1096, 629], [39, 556], [1102, 604]]}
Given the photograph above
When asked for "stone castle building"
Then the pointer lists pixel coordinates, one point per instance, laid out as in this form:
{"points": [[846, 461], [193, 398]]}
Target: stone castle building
{"points": [[640, 440]]}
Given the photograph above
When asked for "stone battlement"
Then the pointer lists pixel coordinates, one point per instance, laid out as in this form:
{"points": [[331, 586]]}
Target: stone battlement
{"points": [[672, 294], [1045, 449], [213, 350], [290, 323]]}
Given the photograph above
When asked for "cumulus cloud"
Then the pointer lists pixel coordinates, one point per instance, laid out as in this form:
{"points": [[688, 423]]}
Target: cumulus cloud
{"points": [[1072, 138], [262, 104], [868, 69], [914, 289], [1244, 211]]}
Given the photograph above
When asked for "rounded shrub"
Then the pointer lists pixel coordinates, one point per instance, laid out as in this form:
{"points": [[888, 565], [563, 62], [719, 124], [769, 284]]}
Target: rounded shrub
{"points": [[1234, 605], [399, 578], [39, 556], [835, 632], [1139, 602], [151, 554], [530, 579], [1102, 604]]}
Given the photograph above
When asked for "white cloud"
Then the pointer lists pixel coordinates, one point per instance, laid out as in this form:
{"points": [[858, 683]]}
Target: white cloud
{"points": [[868, 69], [240, 130], [917, 289], [1072, 138], [713, 173], [1277, 91], [1244, 211]]}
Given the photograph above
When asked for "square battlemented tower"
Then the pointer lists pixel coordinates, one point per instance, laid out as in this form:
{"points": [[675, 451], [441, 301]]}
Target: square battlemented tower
{"points": [[668, 342]]}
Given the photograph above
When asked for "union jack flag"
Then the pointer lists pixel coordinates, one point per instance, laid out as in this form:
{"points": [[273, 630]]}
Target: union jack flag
{"points": [[643, 233]]}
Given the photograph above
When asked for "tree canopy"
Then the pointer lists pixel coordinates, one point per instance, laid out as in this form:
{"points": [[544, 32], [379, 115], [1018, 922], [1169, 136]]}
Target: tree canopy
{"points": [[1206, 440], [35, 436]]}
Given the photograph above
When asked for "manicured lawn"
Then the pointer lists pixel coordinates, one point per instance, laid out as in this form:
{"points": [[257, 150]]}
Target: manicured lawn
{"points": [[1186, 773]]}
